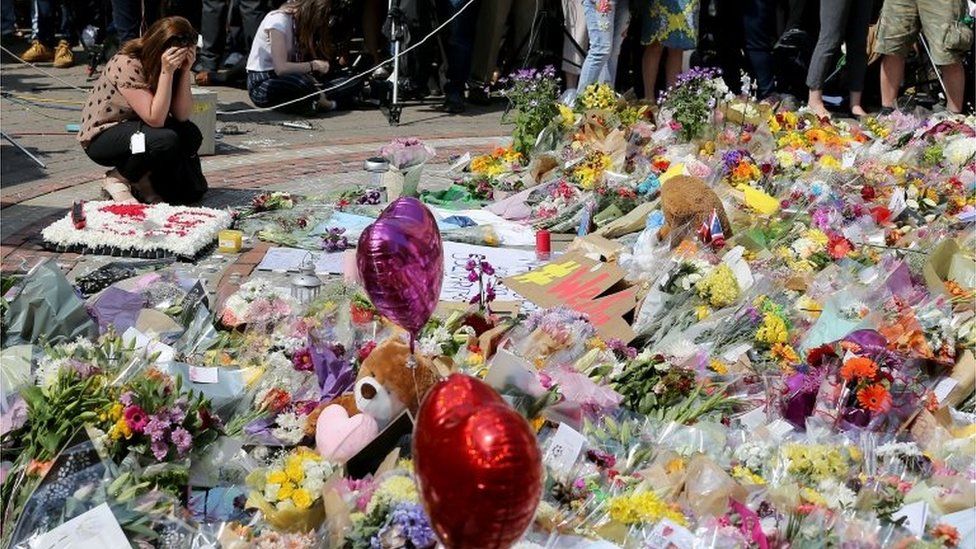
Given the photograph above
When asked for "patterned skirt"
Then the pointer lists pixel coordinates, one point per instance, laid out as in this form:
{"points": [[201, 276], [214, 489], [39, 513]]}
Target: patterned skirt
{"points": [[673, 23]]}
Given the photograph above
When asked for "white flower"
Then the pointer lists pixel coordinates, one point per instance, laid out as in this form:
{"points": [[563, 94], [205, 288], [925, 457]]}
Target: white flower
{"points": [[907, 449], [960, 150], [271, 491], [680, 350], [838, 496], [290, 429], [47, 371], [429, 346]]}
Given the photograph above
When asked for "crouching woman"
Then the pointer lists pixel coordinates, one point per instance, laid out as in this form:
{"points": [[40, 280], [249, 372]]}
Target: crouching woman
{"points": [[136, 120]]}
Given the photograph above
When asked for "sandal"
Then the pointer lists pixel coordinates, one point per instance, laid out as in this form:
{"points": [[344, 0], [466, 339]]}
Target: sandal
{"points": [[116, 188]]}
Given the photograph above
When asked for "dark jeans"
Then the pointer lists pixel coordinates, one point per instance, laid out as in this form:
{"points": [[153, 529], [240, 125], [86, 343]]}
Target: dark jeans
{"points": [[460, 43], [759, 26], [847, 21], [171, 153], [267, 89], [54, 20], [213, 27], [128, 16]]}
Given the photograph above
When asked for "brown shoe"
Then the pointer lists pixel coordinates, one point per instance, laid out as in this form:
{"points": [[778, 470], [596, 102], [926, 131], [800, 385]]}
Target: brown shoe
{"points": [[63, 58], [38, 53], [116, 187]]}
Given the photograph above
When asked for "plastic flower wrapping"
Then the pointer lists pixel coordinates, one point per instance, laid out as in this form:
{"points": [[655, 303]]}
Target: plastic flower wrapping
{"points": [[784, 359]]}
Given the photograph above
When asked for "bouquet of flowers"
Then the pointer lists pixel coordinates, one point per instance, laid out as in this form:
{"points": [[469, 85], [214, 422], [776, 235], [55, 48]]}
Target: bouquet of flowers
{"points": [[690, 103], [257, 304], [289, 490], [532, 95], [152, 415], [406, 152]]}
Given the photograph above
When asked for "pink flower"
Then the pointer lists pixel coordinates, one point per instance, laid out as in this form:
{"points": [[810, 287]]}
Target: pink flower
{"points": [[182, 439], [136, 418], [302, 360]]}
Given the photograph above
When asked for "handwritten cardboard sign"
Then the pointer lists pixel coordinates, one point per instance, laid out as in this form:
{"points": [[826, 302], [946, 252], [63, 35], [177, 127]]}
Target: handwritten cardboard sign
{"points": [[584, 285]]}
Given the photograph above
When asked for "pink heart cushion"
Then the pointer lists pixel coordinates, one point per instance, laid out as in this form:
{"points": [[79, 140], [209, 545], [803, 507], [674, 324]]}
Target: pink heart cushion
{"points": [[338, 437]]}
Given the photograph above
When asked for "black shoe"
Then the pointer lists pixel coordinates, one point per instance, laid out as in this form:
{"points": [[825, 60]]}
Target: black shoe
{"points": [[885, 111], [478, 93], [454, 105]]}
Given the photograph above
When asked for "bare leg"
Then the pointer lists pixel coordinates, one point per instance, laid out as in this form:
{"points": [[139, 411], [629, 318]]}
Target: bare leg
{"points": [[892, 73], [955, 82], [816, 104], [651, 63], [856, 108], [673, 65]]}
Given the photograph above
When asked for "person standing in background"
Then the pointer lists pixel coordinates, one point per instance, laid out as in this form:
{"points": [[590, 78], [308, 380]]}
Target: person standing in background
{"points": [[948, 38], [45, 45], [847, 21], [459, 46], [132, 17], [671, 24], [606, 26], [213, 28], [492, 16], [575, 44]]}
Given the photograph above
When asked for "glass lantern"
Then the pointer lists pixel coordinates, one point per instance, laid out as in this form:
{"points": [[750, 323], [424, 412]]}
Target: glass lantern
{"points": [[305, 286]]}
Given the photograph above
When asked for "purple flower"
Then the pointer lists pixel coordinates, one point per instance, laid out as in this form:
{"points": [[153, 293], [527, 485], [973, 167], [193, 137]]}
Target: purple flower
{"points": [[471, 265], [408, 520], [126, 398], [156, 428], [821, 218], [487, 268], [473, 276], [159, 449], [182, 439]]}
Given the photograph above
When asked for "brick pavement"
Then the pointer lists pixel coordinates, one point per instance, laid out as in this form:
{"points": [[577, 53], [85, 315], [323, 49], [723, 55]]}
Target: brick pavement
{"points": [[265, 156]]}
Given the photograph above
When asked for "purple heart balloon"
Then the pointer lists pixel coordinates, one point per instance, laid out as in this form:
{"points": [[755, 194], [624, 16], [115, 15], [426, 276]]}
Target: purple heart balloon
{"points": [[401, 263]]}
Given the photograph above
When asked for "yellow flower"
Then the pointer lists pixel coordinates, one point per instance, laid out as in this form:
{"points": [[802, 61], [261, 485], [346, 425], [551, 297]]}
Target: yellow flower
{"points": [[285, 491], [719, 287], [475, 359], [537, 423], [817, 237], [773, 330], [301, 498], [676, 465], [643, 508], [718, 367], [746, 475], [596, 342], [393, 490], [811, 496], [785, 354], [277, 477], [702, 312], [115, 412], [829, 162], [809, 306], [566, 114], [295, 472]]}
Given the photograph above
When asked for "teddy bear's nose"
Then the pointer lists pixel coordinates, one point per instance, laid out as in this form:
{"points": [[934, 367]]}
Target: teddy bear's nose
{"points": [[367, 391]]}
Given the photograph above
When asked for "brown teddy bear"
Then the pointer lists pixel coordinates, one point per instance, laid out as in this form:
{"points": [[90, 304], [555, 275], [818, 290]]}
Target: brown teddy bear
{"points": [[386, 386], [687, 203]]}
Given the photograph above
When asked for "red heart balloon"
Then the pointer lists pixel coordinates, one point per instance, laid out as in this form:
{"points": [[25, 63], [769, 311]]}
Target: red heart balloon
{"points": [[478, 464]]}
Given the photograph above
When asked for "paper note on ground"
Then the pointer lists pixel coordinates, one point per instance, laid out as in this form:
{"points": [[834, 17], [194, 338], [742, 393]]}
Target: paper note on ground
{"points": [[94, 529]]}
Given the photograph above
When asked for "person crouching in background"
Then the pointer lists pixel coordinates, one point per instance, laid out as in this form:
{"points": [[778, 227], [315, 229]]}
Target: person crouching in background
{"points": [[136, 120], [290, 46]]}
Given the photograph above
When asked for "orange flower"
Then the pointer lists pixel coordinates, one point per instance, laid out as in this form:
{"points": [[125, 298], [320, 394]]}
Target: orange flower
{"points": [[859, 367], [39, 468], [874, 398]]}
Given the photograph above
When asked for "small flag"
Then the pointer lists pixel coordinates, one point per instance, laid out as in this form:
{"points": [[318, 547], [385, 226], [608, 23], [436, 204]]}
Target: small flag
{"points": [[711, 232]]}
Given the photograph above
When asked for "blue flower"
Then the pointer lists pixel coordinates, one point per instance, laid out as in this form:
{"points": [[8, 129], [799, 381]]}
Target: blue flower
{"points": [[650, 184]]}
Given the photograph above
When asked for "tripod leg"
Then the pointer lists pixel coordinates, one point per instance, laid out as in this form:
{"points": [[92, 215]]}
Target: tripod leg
{"points": [[22, 149]]}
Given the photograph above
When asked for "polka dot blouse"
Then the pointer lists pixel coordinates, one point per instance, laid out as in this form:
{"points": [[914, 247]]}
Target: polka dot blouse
{"points": [[106, 106]]}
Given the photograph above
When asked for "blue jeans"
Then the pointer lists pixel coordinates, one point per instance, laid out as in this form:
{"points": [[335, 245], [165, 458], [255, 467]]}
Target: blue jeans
{"points": [[50, 21], [8, 17], [606, 33]]}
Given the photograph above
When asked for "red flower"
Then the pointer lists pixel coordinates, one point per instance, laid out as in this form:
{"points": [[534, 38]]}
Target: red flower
{"points": [[817, 355], [867, 193], [302, 360], [276, 400], [881, 214], [135, 418], [360, 315], [137, 211], [839, 247], [365, 351]]}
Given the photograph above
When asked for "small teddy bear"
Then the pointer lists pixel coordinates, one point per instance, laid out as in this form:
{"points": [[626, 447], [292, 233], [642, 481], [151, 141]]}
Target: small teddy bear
{"points": [[385, 387], [687, 203]]}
